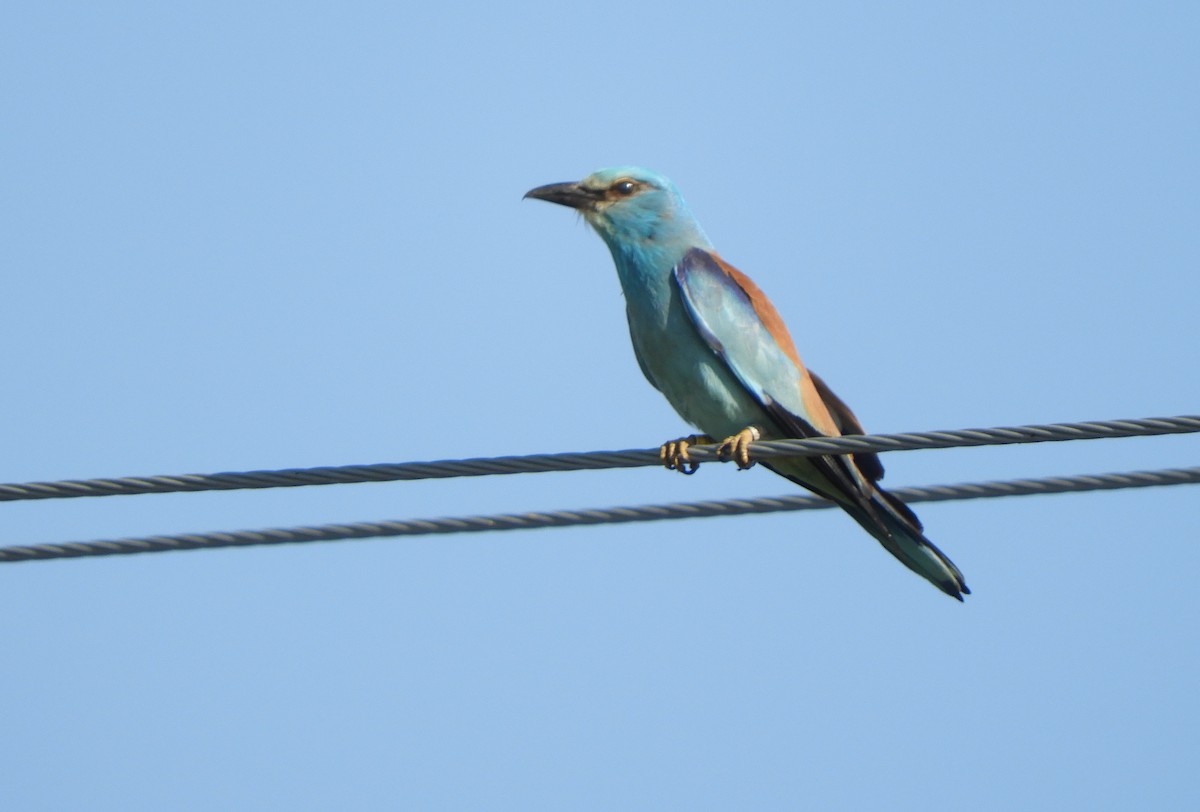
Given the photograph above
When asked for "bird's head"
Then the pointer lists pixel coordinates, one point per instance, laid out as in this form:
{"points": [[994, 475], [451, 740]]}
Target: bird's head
{"points": [[631, 208]]}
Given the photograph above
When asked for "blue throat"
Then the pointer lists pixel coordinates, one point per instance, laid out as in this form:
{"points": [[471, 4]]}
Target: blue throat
{"points": [[645, 261]]}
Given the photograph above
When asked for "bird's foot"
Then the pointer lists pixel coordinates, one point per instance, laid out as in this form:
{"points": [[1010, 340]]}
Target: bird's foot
{"points": [[674, 454], [737, 448]]}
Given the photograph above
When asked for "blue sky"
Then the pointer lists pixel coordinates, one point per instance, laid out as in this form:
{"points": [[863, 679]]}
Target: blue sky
{"points": [[283, 235]]}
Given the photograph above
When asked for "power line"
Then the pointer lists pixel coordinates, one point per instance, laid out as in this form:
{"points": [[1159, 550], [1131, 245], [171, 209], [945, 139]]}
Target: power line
{"points": [[631, 458], [530, 521]]}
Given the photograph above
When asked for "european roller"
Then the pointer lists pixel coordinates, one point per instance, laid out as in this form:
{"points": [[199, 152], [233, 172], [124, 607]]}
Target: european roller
{"points": [[712, 343]]}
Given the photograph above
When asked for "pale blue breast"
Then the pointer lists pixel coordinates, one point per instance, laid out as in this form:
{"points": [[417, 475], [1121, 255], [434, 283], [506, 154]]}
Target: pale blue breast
{"points": [[681, 365]]}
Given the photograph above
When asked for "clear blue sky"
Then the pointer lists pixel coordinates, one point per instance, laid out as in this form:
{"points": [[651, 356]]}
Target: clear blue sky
{"points": [[244, 236]]}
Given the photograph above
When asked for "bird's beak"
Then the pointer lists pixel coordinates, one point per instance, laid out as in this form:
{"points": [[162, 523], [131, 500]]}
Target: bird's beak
{"points": [[572, 195]]}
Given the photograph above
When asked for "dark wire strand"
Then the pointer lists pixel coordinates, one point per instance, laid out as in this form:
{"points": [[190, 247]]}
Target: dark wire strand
{"points": [[565, 518], [631, 458]]}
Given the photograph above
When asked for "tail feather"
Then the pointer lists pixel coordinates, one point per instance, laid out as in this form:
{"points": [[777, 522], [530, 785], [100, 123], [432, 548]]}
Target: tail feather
{"points": [[880, 513], [896, 527]]}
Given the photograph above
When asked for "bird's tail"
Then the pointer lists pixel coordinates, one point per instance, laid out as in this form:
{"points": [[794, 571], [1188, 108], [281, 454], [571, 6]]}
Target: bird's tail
{"points": [[884, 516], [899, 530]]}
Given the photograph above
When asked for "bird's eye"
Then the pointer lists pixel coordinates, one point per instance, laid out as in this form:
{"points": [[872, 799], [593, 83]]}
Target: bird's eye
{"points": [[625, 188]]}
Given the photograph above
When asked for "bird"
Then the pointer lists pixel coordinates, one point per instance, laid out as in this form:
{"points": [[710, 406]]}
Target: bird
{"points": [[711, 342]]}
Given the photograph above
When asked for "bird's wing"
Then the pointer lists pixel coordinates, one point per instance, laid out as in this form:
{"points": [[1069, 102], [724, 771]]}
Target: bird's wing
{"points": [[847, 423], [743, 328]]}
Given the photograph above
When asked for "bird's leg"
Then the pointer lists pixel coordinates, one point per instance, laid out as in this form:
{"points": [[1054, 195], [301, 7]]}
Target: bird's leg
{"points": [[674, 454], [737, 447]]}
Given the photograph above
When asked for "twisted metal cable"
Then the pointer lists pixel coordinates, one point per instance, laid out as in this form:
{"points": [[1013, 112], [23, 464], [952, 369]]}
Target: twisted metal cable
{"points": [[630, 458], [566, 518]]}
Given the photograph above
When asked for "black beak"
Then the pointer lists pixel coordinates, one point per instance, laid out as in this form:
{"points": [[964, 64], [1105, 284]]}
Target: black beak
{"points": [[571, 195]]}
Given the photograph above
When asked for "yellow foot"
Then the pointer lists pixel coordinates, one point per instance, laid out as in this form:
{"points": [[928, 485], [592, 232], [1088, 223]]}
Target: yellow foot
{"points": [[737, 447], [674, 454]]}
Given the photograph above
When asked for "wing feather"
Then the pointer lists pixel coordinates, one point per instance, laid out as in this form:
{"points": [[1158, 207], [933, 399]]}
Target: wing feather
{"points": [[741, 326]]}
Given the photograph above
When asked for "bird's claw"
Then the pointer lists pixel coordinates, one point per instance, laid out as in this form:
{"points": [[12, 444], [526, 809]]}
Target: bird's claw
{"points": [[737, 448], [674, 454]]}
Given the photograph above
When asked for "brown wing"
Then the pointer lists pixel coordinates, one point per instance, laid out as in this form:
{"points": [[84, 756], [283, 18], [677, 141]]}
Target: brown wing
{"points": [[866, 462]]}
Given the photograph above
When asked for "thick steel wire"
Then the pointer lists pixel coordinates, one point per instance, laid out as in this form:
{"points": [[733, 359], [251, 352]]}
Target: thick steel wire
{"points": [[565, 518], [631, 458]]}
